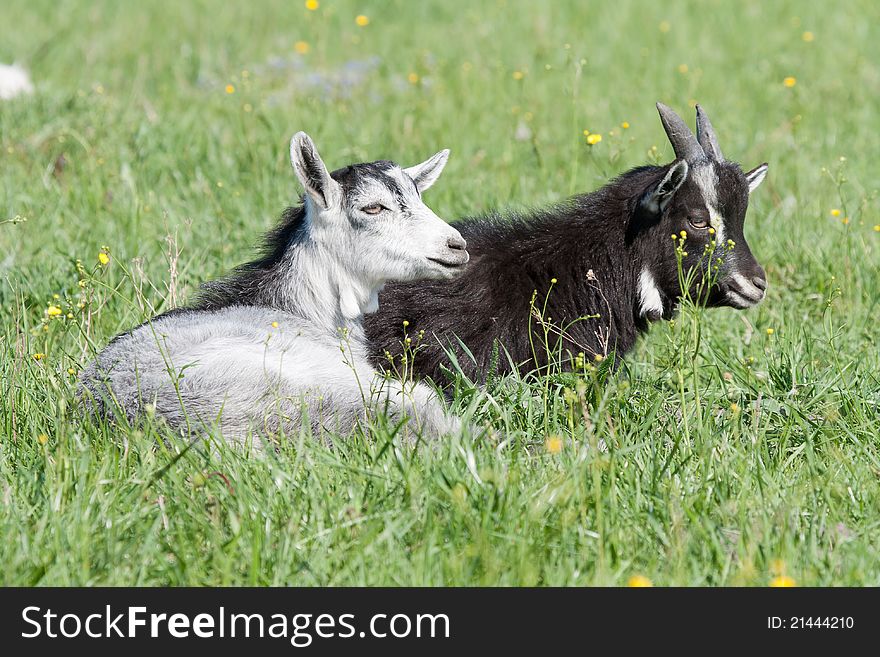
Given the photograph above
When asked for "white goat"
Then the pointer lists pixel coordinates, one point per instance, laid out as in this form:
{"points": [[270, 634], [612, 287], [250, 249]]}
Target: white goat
{"points": [[260, 350]]}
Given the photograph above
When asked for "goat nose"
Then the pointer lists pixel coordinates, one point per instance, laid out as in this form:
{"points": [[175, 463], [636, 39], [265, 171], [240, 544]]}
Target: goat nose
{"points": [[456, 243], [759, 282]]}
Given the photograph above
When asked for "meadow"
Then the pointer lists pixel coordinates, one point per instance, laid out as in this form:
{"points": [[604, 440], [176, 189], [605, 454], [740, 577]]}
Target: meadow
{"points": [[732, 448]]}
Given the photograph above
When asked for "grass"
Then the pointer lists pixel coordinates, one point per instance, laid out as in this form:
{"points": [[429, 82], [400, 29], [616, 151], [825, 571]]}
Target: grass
{"points": [[733, 454]]}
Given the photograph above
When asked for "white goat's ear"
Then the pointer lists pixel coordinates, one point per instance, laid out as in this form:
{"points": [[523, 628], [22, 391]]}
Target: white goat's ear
{"points": [[312, 172], [658, 197], [425, 174], [756, 176]]}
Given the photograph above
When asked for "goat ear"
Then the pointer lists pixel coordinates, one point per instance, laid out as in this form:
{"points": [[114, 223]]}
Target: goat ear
{"points": [[756, 176], [425, 174], [658, 197], [312, 172]]}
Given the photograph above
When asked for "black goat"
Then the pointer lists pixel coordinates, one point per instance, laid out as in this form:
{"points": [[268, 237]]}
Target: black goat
{"points": [[610, 257]]}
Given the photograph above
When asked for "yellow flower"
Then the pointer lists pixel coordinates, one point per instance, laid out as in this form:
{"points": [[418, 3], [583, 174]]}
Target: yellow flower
{"points": [[71, 371], [844, 221], [518, 75], [782, 581], [362, 21], [413, 77], [103, 258], [639, 582], [312, 5], [405, 323], [683, 234], [682, 68], [665, 26], [39, 355], [274, 324], [835, 212], [808, 36], [625, 125], [553, 281], [711, 231], [877, 228], [301, 47], [553, 444], [230, 89], [598, 358], [593, 139], [53, 311], [734, 408], [43, 439], [790, 81], [770, 331], [674, 236]]}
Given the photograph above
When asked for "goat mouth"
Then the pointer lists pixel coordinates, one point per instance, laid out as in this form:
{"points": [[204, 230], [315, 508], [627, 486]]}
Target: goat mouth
{"points": [[742, 299], [450, 264]]}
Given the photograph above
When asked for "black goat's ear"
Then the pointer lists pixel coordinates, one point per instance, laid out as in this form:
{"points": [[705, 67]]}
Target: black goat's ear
{"points": [[756, 176], [312, 172], [658, 197]]}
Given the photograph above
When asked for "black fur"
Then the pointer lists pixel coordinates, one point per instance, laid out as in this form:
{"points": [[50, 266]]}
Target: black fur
{"points": [[595, 246], [254, 283]]}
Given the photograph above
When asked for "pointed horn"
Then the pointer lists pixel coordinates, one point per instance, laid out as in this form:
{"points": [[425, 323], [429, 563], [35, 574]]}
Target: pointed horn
{"points": [[683, 142], [706, 136]]}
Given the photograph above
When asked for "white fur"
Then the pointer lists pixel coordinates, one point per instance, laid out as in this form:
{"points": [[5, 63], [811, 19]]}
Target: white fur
{"points": [[650, 301], [707, 181], [425, 174], [756, 177], [14, 81]]}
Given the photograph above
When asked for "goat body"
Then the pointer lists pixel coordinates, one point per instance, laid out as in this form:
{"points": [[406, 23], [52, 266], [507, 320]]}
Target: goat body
{"points": [[249, 368], [490, 308]]}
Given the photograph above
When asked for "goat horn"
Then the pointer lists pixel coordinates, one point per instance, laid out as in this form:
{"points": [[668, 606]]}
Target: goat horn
{"points": [[683, 142], [706, 136]]}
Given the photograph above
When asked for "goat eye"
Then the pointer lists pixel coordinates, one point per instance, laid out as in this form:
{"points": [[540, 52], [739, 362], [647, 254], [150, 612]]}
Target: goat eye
{"points": [[698, 222], [375, 208]]}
